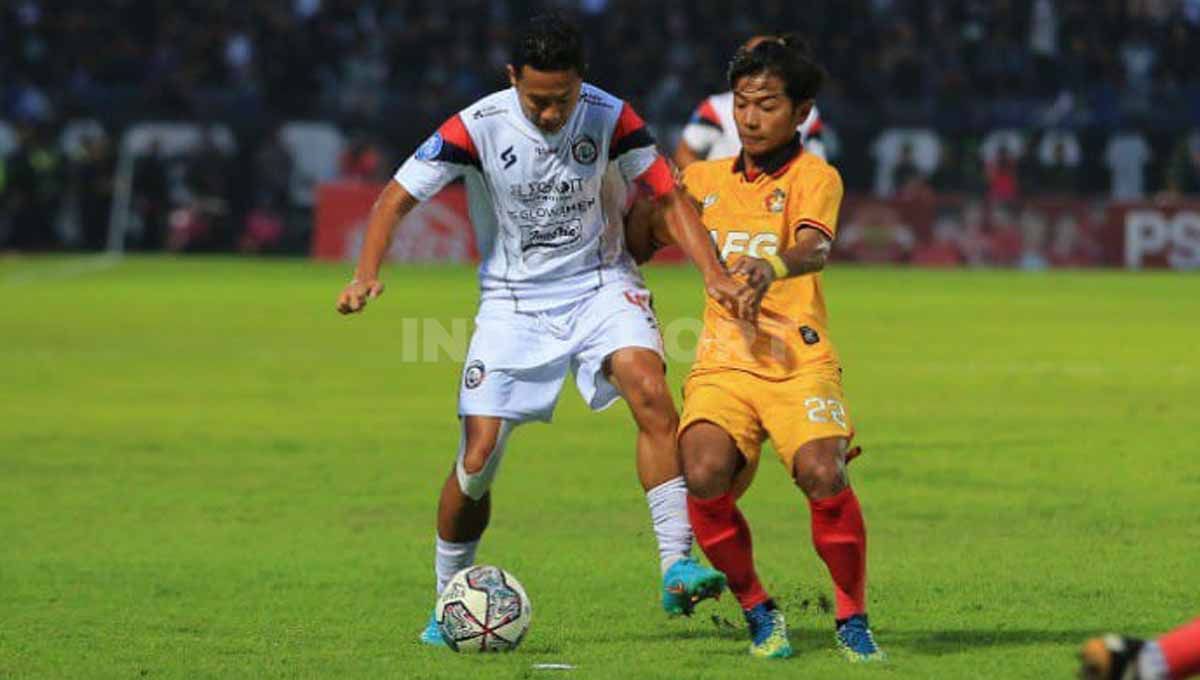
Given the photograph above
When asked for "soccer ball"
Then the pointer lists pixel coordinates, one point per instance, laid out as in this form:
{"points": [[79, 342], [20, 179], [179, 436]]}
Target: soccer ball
{"points": [[483, 609]]}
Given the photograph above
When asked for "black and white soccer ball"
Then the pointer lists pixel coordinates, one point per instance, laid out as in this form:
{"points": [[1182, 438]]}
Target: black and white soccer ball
{"points": [[483, 609]]}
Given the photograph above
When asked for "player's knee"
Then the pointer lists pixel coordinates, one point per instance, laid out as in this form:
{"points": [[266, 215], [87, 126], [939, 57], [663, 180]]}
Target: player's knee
{"points": [[819, 475], [701, 476], [707, 475], [476, 453], [479, 460]]}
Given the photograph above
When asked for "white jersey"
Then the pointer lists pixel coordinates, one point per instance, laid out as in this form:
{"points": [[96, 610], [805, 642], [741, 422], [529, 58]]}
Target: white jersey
{"points": [[547, 208], [712, 133]]}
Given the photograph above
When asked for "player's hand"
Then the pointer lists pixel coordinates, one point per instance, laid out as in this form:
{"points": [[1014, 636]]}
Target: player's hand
{"points": [[740, 299], [758, 272], [355, 295]]}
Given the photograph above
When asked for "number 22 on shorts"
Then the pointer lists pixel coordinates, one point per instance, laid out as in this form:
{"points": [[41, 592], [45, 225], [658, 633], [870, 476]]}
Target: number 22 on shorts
{"points": [[824, 410]]}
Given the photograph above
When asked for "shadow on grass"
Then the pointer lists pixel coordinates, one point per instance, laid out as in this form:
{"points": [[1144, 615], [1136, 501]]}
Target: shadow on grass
{"points": [[939, 642], [921, 642]]}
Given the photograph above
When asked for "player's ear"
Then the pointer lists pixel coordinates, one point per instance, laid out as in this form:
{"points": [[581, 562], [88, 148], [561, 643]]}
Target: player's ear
{"points": [[802, 111], [512, 74]]}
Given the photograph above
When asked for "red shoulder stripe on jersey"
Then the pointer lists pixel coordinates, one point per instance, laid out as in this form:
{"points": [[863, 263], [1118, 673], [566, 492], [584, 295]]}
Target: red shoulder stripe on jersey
{"points": [[814, 224], [630, 133], [628, 123], [706, 114], [657, 179], [454, 132]]}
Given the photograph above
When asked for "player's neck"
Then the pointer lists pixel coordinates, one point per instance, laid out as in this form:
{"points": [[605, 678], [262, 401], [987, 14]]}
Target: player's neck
{"points": [[771, 163]]}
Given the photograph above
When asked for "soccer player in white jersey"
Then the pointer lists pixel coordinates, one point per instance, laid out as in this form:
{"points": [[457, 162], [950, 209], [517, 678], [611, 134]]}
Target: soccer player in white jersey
{"points": [[711, 133], [547, 163]]}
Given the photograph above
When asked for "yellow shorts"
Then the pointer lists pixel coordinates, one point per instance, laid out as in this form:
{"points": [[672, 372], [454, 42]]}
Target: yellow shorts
{"points": [[791, 412]]}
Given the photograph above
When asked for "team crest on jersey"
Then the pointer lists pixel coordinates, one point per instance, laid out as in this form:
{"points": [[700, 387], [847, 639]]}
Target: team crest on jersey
{"points": [[583, 150], [809, 336], [776, 201], [474, 375], [431, 148]]}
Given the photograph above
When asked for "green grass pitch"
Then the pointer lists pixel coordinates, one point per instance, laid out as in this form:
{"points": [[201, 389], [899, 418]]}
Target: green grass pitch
{"points": [[205, 472]]}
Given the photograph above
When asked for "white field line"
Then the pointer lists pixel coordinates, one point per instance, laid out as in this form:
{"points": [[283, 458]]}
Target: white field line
{"points": [[69, 269]]}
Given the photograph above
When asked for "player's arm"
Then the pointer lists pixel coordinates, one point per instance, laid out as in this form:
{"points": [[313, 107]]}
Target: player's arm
{"points": [[807, 256], [440, 160], [639, 162], [688, 232], [669, 215], [816, 221], [393, 204]]}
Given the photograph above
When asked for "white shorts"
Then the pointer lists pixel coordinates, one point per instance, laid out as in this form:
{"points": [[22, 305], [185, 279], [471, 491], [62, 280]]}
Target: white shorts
{"points": [[518, 360]]}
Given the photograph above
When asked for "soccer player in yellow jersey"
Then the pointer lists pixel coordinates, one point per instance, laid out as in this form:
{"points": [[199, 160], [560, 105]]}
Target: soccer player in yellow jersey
{"points": [[772, 212]]}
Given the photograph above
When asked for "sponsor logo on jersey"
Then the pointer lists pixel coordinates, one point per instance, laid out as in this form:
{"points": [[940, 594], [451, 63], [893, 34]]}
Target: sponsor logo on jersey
{"points": [[488, 111], [431, 148], [509, 158], [553, 211], [776, 201], [474, 375], [545, 151], [809, 336], [710, 200], [553, 235], [745, 243], [540, 190], [583, 150], [594, 100]]}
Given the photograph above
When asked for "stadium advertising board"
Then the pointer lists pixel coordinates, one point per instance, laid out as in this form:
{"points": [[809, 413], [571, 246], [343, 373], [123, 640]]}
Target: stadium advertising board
{"points": [[946, 231]]}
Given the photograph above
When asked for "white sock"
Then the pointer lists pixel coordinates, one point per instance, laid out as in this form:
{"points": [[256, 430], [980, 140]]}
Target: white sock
{"points": [[668, 512], [452, 558], [1151, 663]]}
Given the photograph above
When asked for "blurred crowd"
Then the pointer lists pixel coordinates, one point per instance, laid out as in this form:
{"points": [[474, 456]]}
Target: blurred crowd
{"points": [[1106, 94]]}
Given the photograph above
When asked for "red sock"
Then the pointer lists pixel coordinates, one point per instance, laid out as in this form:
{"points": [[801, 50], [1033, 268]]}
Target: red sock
{"points": [[1181, 647], [840, 538], [723, 534]]}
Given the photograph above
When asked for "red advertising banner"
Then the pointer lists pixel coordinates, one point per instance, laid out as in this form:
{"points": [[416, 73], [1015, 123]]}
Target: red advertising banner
{"points": [[438, 230], [949, 231], [930, 231]]}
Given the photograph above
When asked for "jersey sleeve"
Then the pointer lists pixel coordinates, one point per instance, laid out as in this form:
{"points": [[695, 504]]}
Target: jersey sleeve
{"points": [[816, 205], [443, 158], [703, 130], [633, 150]]}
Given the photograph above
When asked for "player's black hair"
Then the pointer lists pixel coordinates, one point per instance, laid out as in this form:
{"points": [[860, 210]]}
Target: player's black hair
{"points": [[785, 56], [549, 42]]}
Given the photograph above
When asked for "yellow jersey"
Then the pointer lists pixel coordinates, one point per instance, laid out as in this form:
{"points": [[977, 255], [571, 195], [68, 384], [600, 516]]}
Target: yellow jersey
{"points": [[756, 216]]}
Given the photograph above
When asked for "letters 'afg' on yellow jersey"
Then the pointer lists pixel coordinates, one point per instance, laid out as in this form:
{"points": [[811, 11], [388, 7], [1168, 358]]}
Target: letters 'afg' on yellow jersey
{"points": [[756, 216]]}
